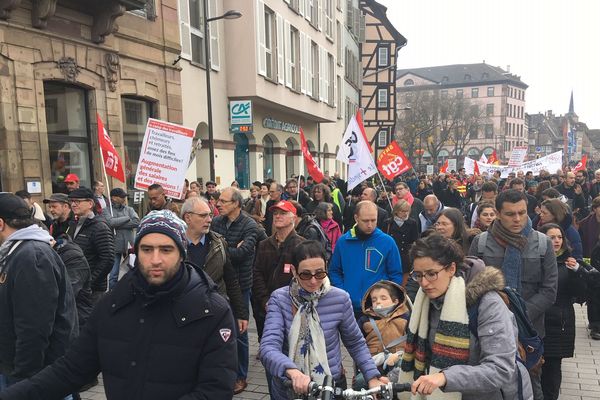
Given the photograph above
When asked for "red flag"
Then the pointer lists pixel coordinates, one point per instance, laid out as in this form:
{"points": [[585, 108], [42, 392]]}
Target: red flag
{"points": [[475, 170], [493, 159], [581, 165], [311, 165], [392, 161], [444, 167], [112, 162], [362, 129]]}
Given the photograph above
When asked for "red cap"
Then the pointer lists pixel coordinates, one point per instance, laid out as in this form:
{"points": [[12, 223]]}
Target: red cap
{"points": [[284, 206], [71, 178]]}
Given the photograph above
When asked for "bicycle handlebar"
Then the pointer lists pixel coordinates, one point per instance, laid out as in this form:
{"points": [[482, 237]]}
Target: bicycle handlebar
{"points": [[328, 392]]}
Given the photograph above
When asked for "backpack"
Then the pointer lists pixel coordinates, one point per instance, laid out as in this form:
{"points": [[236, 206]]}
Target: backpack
{"points": [[308, 222], [542, 244], [530, 347]]}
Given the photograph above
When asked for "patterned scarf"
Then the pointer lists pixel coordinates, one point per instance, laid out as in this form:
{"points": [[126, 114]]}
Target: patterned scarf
{"points": [[514, 244], [306, 338], [451, 341]]}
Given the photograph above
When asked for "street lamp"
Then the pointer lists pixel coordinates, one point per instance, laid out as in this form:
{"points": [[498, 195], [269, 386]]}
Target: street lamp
{"points": [[231, 14]]}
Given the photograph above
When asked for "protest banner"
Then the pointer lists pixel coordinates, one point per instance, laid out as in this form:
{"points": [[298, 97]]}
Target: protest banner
{"points": [[517, 156], [392, 161], [356, 152], [164, 157], [551, 163], [430, 170], [452, 165]]}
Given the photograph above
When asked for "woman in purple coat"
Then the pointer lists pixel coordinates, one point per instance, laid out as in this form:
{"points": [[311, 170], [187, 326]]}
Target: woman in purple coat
{"points": [[305, 322]]}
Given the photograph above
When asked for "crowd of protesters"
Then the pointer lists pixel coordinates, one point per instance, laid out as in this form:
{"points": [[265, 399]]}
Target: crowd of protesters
{"points": [[385, 268]]}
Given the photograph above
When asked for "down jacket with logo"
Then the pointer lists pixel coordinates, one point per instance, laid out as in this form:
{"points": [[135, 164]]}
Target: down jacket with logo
{"points": [[176, 344]]}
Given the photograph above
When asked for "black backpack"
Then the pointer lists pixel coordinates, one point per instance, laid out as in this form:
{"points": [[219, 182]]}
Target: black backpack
{"points": [[310, 223]]}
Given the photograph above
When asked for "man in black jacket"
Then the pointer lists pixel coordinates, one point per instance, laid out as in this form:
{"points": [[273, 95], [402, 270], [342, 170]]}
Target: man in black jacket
{"points": [[37, 309], [241, 233], [163, 332], [96, 239]]}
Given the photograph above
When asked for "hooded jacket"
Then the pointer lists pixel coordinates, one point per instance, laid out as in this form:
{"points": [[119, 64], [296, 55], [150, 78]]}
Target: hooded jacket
{"points": [[391, 327], [357, 263], [37, 310]]}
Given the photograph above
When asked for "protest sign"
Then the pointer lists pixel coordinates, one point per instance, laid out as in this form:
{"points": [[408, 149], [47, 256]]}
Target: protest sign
{"points": [[164, 157], [517, 156]]}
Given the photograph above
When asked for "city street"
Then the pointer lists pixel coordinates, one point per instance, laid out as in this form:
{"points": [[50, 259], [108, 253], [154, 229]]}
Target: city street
{"points": [[581, 374]]}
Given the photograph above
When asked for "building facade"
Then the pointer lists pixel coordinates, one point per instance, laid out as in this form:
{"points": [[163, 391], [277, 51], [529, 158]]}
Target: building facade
{"points": [[63, 62], [286, 60], [380, 43], [498, 95]]}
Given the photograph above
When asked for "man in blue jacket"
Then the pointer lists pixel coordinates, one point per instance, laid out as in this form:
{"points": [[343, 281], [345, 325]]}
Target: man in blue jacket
{"points": [[364, 255]]}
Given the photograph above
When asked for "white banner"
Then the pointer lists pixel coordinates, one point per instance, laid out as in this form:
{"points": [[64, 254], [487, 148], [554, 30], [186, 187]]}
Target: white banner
{"points": [[551, 163], [164, 157], [430, 170], [517, 156], [355, 152], [452, 165]]}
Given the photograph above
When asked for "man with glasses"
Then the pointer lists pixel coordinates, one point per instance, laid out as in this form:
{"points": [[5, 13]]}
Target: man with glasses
{"points": [[291, 193], [273, 263], [96, 239], [208, 250], [402, 192], [241, 233], [525, 256]]}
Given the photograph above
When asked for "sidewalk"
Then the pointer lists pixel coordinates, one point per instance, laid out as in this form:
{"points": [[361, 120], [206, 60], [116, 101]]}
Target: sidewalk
{"points": [[581, 374]]}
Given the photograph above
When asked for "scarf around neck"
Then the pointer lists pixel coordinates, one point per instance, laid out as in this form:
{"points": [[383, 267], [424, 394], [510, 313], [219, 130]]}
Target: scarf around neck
{"points": [[514, 244], [306, 339], [451, 341]]}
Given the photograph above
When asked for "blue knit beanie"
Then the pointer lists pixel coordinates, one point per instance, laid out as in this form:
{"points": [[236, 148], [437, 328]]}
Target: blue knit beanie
{"points": [[165, 222]]}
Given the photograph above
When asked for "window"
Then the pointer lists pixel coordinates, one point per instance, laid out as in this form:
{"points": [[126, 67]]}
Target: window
{"points": [[148, 11], [382, 139], [68, 133], [475, 92], [328, 18], [409, 82], [382, 98], [137, 112], [196, 9], [294, 57], [490, 91], [331, 81], [383, 57], [268, 158], [510, 110], [315, 67], [489, 131], [459, 93], [339, 43], [489, 110], [339, 97], [473, 132], [270, 35]]}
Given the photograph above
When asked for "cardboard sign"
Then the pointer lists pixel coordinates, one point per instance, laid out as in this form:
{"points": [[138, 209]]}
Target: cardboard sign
{"points": [[164, 157]]}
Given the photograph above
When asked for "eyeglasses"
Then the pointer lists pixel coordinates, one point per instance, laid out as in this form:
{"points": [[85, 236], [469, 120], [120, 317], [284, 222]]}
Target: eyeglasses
{"points": [[307, 276], [429, 275], [77, 201], [201, 215], [224, 201]]}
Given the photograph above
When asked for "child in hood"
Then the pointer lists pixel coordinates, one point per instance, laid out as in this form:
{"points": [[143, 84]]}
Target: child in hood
{"points": [[386, 311]]}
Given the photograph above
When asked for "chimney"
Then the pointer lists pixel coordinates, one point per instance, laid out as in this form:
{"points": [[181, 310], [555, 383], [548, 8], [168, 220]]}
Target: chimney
{"points": [[508, 68], [549, 114]]}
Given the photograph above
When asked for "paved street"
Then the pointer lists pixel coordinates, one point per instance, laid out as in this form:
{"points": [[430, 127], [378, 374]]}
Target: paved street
{"points": [[581, 374]]}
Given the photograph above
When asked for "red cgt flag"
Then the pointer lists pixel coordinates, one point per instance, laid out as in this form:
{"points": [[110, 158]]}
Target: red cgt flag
{"points": [[392, 162], [112, 162], [311, 165], [581, 165]]}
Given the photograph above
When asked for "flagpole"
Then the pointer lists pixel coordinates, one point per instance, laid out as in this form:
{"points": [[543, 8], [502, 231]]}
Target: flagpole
{"points": [[301, 174], [107, 184], [385, 191]]}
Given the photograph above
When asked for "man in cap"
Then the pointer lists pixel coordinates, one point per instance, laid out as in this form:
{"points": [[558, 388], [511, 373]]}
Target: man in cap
{"points": [[58, 205], [162, 333], [124, 220], [96, 239], [37, 309], [71, 182]]}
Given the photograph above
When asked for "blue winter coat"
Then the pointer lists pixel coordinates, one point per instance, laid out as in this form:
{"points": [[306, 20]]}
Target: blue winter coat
{"points": [[337, 321], [357, 264]]}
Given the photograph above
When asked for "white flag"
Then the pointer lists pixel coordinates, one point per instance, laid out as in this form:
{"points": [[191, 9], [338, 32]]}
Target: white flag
{"points": [[354, 151], [483, 159]]}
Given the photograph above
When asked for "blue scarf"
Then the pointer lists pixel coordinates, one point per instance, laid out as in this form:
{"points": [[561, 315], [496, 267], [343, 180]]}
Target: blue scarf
{"points": [[513, 255]]}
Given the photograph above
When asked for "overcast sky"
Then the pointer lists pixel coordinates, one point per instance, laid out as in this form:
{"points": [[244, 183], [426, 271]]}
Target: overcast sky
{"points": [[554, 45]]}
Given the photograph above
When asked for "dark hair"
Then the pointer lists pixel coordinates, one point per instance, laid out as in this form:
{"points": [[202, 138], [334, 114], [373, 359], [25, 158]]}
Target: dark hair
{"points": [[489, 187], [516, 181], [291, 180], [95, 184], [326, 192], [543, 185], [24, 194], [18, 223], [308, 249], [300, 211], [509, 196], [551, 193], [551, 225], [155, 186], [557, 208], [391, 289], [438, 248], [483, 205], [458, 221], [321, 210]]}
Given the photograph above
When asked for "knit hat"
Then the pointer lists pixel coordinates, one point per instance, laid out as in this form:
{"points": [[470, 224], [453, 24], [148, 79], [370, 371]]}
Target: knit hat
{"points": [[165, 222]]}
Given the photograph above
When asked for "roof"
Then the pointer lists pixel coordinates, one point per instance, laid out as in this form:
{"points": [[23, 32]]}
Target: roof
{"points": [[463, 74], [380, 12]]}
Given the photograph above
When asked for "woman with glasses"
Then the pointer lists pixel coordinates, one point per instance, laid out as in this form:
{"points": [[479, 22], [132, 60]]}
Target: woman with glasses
{"points": [[445, 357], [451, 225], [306, 324]]}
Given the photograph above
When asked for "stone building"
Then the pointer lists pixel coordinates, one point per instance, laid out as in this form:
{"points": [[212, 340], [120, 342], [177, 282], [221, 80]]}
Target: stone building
{"points": [[61, 62]]}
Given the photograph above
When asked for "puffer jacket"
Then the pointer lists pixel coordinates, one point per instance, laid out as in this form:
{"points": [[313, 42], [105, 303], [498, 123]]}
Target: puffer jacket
{"points": [[245, 229], [337, 322], [538, 274], [124, 221], [391, 327], [97, 241]]}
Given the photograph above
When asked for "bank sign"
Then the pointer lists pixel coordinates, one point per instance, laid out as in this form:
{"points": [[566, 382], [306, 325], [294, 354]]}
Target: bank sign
{"points": [[240, 116]]}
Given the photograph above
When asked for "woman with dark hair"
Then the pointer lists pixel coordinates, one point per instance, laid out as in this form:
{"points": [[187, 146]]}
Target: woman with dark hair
{"points": [[305, 322], [321, 193], [554, 210], [404, 230], [486, 214], [451, 225], [423, 189], [324, 215], [443, 355], [559, 319], [543, 185]]}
